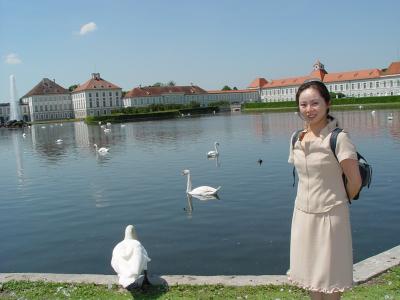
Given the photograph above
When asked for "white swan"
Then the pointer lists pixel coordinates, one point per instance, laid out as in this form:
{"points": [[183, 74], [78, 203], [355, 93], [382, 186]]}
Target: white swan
{"points": [[107, 130], [390, 117], [102, 150], [59, 141], [373, 112], [201, 190], [214, 152], [129, 259], [24, 135], [108, 124]]}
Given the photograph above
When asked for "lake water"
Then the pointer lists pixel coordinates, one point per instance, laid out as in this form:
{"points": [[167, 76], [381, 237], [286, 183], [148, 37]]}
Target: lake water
{"points": [[63, 207]]}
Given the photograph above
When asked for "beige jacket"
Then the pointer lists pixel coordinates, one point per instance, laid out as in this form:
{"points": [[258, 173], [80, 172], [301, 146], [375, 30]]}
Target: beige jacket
{"points": [[320, 185]]}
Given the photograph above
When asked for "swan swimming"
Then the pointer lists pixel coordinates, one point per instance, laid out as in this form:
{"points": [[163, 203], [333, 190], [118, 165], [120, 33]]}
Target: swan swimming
{"points": [[102, 150], [107, 130], [214, 152], [129, 259], [24, 135], [390, 117], [201, 190], [59, 141]]}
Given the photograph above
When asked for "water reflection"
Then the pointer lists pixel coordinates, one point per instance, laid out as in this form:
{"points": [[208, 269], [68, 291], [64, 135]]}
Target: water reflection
{"points": [[189, 208], [18, 156], [216, 159]]}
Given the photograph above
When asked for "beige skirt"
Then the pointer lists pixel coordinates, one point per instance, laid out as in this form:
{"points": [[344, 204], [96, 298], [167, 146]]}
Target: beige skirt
{"points": [[321, 255]]}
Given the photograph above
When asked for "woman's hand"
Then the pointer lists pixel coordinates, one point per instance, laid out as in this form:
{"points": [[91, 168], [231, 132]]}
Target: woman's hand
{"points": [[352, 172]]}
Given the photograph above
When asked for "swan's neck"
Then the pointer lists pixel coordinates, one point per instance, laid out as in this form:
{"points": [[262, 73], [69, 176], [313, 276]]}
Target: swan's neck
{"points": [[189, 183], [215, 147]]}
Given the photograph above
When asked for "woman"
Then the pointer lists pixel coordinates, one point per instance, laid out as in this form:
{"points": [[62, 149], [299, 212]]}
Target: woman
{"points": [[321, 259]]}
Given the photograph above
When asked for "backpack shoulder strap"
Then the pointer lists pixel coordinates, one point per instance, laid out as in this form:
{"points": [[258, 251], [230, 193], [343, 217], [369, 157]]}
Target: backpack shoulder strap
{"points": [[333, 140], [295, 137], [332, 143]]}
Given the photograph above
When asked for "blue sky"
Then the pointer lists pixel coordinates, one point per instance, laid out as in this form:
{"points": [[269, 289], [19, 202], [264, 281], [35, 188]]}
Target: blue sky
{"points": [[207, 43]]}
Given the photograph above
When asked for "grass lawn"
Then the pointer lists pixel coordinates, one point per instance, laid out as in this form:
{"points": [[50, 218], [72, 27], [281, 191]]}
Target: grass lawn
{"points": [[386, 286]]}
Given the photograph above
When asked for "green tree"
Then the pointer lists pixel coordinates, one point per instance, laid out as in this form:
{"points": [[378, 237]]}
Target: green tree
{"points": [[235, 88], [73, 87], [226, 88]]}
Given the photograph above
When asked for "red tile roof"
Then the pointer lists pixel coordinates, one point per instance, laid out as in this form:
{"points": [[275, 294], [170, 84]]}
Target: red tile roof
{"points": [[46, 87], [286, 82], [157, 91], [321, 74], [257, 83], [394, 69], [96, 83], [352, 75], [230, 91]]}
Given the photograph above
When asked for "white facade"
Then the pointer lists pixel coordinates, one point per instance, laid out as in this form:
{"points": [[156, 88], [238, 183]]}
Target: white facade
{"points": [[364, 83], [96, 97], [49, 107], [96, 102], [203, 99]]}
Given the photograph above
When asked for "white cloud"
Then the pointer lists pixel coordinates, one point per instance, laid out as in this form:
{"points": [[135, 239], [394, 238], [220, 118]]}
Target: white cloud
{"points": [[89, 27], [12, 59]]}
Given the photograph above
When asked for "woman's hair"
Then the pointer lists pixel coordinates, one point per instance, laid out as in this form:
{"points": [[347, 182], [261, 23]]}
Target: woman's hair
{"points": [[318, 86]]}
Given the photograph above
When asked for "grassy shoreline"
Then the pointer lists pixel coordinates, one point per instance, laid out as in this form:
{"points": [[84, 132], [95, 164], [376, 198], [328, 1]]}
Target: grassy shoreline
{"points": [[385, 286], [394, 105]]}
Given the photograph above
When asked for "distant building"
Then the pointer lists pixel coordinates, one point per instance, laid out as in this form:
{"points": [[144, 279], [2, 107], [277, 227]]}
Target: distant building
{"points": [[4, 112], [361, 83], [48, 101], [144, 96], [234, 96], [96, 97]]}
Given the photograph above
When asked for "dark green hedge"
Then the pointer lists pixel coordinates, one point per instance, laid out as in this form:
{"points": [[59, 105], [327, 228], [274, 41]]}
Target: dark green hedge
{"points": [[340, 101]]}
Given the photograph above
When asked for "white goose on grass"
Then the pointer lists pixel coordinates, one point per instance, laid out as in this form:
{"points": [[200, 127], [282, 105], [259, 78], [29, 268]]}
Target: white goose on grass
{"points": [[213, 153], [204, 190], [102, 150], [129, 259]]}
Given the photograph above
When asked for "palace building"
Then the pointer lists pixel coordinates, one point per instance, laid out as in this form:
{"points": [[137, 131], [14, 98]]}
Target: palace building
{"points": [[144, 96], [96, 97], [360, 83], [48, 101]]}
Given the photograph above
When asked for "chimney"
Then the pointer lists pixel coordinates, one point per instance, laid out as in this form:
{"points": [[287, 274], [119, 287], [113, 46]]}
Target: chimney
{"points": [[96, 76]]}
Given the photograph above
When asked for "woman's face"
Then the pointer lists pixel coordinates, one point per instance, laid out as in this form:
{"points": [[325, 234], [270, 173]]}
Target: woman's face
{"points": [[312, 106]]}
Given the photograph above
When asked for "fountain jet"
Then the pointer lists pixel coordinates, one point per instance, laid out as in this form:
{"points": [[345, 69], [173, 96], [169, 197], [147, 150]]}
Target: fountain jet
{"points": [[15, 114]]}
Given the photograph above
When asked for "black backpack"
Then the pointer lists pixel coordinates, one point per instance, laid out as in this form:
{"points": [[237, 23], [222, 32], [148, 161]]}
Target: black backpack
{"points": [[365, 168]]}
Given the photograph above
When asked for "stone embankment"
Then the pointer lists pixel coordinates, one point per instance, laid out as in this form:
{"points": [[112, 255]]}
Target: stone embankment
{"points": [[362, 271]]}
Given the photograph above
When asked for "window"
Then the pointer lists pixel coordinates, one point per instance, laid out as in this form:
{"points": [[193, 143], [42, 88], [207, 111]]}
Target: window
{"points": [[370, 85], [365, 85], [358, 86], [45, 109], [104, 103], [90, 94], [384, 84], [377, 84], [352, 86]]}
